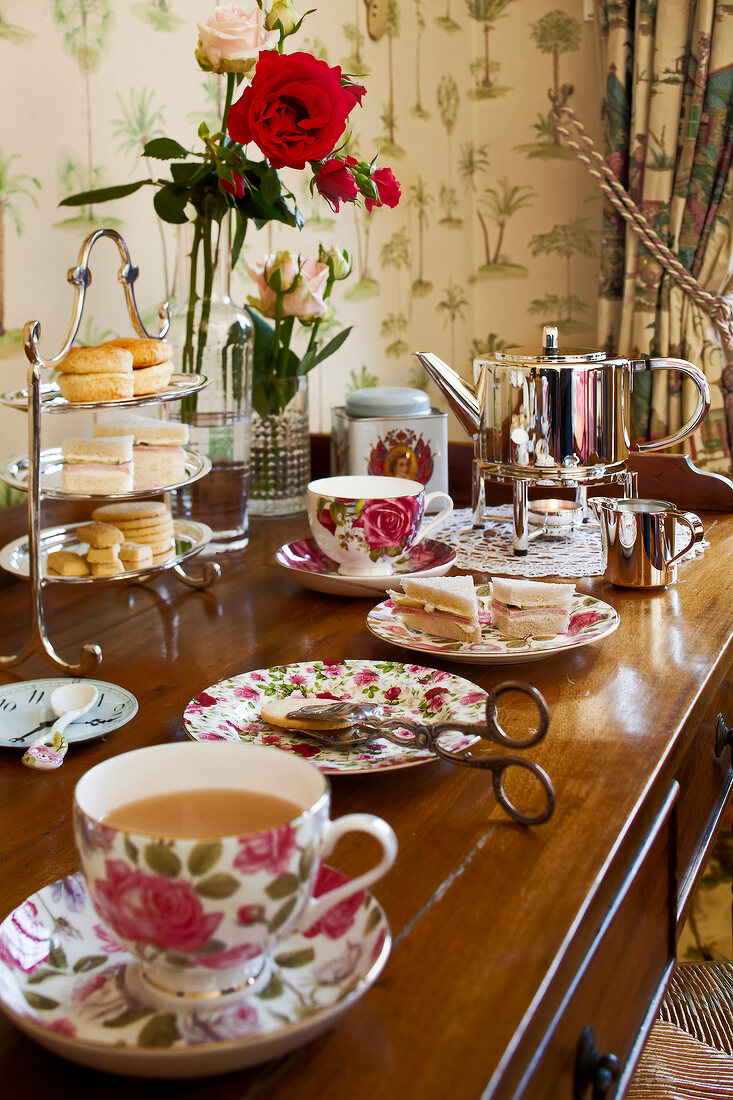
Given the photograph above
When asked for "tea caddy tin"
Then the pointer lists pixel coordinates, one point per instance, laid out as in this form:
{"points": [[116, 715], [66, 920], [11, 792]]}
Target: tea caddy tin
{"points": [[391, 431]]}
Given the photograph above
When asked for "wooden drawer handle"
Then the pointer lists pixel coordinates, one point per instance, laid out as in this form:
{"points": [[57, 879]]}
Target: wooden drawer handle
{"points": [[723, 736], [593, 1068]]}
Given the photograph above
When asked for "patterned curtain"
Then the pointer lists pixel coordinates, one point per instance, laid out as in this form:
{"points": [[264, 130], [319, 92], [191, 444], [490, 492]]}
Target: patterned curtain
{"points": [[669, 138]]}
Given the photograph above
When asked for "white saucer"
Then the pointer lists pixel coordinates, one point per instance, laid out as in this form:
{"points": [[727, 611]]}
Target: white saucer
{"points": [[25, 711], [66, 984], [309, 566]]}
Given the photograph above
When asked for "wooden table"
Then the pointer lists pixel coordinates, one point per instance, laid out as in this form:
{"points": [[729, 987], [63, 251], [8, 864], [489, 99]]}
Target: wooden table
{"points": [[508, 941]]}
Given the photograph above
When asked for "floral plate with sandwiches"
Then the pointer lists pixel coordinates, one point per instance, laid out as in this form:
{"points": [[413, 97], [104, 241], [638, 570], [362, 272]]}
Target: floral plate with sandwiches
{"points": [[231, 710], [509, 621]]}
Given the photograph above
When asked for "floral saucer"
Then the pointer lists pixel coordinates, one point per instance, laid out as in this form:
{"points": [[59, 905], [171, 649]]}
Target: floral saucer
{"points": [[590, 620], [68, 985], [230, 710], [307, 564]]}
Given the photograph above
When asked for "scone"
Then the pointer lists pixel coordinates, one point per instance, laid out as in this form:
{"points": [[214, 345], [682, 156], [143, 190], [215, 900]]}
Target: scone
{"points": [[146, 352]]}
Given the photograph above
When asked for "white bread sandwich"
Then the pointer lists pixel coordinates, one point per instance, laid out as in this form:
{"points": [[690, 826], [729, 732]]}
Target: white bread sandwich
{"points": [[158, 457], [97, 467], [444, 606], [530, 609]]}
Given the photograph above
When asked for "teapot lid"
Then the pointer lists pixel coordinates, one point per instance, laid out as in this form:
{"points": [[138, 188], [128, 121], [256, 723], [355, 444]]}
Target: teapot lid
{"points": [[549, 352]]}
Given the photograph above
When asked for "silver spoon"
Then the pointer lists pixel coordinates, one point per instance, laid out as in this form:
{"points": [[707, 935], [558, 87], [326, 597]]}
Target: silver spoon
{"points": [[68, 703]]}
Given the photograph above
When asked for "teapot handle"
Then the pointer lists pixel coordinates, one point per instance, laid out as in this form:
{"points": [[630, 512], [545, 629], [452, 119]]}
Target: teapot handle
{"points": [[703, 398]]}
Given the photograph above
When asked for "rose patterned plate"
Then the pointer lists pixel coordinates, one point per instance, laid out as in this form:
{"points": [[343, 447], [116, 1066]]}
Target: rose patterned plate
{"points": [[590, 620], [307, 564], [68, 985], [230, 710]]}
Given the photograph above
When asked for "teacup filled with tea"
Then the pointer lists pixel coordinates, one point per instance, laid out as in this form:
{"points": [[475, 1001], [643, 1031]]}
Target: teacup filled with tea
{"points": [[202, 857], [365, 523]]}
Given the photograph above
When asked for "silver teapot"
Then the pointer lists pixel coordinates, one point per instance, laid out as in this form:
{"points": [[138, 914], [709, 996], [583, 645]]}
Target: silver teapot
{"points": [[555, 415]]}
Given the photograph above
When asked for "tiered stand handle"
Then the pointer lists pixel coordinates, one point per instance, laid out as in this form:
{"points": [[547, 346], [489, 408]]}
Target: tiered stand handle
{"points": [[80, 278]]}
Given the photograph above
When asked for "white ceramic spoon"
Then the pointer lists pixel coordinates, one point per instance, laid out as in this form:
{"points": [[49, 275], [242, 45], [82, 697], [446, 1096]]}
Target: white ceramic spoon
{"points": [[68, 703]]}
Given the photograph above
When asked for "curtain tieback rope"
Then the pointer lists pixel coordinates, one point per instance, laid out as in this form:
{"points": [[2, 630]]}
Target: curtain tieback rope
{"points": [[718, 308]]}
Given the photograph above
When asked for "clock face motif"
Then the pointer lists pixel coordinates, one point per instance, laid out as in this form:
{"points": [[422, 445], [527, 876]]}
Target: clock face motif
{"points": [[26, 712]]}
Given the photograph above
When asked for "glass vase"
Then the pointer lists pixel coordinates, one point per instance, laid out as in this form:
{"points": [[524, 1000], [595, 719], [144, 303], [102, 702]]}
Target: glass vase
{"points": [[214, 337], [280, 466]]}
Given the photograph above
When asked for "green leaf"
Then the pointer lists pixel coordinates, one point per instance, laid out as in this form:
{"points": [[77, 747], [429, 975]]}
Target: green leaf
{"points": [[162, 860], [160, 1031], [57, 957], [273, 989], [372, 921], [170, 204], [211, 947], [282, 886], [330, 348], [89, 962], [292, 959], [131, 850], [104, 194], [306, 861], [217, 886], [130, 1017], [39, 976], [270, 186], [164, 149], [204, 856], [240, 232], [283, 914], [42, 1004]]}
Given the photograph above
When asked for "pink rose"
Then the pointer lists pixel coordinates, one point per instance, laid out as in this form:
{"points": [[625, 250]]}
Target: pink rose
{"points": [[231, 38], [63, 1026], [153, 909], [246, 693], [387, 187], [326, 520], [581, 619], [366, 676], [231, 956], [392, 693], [234, 1023], [25, 941], [337, 921], [472, 697], [250, 914], [270, 851], [301, 282], [388, 523]]}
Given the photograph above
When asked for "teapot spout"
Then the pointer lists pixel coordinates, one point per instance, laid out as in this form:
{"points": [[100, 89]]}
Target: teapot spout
{"points": [[461, 396]]}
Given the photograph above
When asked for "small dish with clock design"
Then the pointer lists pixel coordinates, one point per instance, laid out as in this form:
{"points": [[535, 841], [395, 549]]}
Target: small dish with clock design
{"points": [[26, 712]]}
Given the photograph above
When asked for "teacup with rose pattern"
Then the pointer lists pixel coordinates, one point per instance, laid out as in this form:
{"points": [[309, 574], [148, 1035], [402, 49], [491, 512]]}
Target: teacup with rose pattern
{"points": [[366, 523], [202, 915]]}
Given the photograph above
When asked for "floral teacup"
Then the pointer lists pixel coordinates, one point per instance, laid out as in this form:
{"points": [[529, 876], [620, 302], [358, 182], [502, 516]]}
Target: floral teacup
{"points": [[366, 523], [201, 915]]}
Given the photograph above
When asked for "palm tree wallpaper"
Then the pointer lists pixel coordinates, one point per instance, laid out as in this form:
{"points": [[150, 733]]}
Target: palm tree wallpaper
{"points": [[497, 231]]}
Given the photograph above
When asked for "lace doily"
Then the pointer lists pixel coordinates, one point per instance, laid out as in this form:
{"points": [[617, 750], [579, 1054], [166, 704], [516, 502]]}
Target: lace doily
{"points": [[577, 553]]}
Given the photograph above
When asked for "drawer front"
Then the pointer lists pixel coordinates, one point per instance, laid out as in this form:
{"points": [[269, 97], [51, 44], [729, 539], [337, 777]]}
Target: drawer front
{"points": [[624, 972], [705, 776]]}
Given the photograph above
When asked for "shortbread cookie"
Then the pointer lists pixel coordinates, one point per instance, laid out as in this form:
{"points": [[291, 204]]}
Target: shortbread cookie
{"points": [[80, 388], [99, 554], [99, 534], [151, 379], [166, 555], [134, 555], [146, 352], [275, 711], [162, 546], [101, 360], [67, 564], [106, 568], [126, 510], [148, 534]]}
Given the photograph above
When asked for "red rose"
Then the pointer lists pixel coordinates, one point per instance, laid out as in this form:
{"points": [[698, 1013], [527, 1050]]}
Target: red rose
{"points": [[205, 700], [387, 187], [294, 110], [337, 921], [354, 91], [387, 523], [237, 188], [153, 909], [335, 182], [269, 851]]}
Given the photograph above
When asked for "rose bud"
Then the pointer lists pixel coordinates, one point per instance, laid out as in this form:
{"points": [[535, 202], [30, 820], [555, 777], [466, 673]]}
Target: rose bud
{"points": [[388, 188], [237, 188], [338, 260], [284, 13], [335, 182], [231, 39]]}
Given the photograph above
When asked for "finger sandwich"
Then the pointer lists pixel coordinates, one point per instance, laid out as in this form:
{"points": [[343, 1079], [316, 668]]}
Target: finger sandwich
{"points": [[158, 455], [97, 467], [444, 606], [529, 609]]}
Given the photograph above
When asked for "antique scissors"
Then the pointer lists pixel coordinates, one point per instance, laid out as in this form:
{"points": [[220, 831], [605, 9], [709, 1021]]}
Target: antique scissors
{"points": [[371, 721]]}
